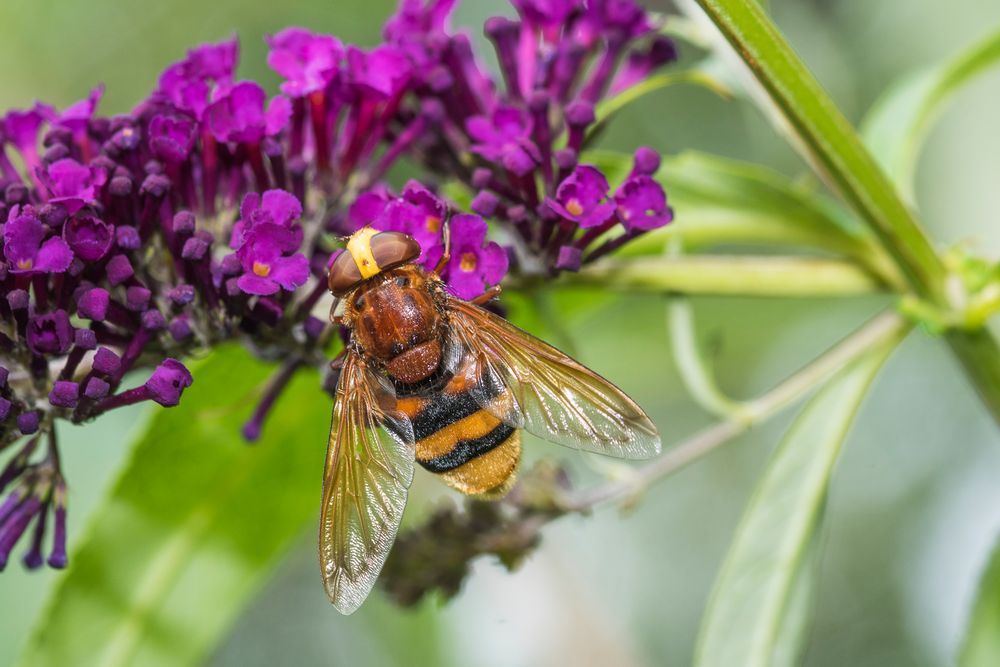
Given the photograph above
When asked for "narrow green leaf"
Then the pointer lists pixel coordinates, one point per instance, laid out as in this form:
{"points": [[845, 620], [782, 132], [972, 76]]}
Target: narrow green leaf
{"points": [[609, 107], [981, 647], [829, 137], [845, 162], [759, 607], [721, 202], [193, 526], [727, 275], [692, 365], [898, 123]]}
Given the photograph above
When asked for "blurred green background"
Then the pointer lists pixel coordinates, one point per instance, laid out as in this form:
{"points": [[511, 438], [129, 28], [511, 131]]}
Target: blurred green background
{"points": [[915, 504]]}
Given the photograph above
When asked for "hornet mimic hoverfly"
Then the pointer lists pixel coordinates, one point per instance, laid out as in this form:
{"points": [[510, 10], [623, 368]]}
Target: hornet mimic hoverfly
{"points": [[429, 378]]}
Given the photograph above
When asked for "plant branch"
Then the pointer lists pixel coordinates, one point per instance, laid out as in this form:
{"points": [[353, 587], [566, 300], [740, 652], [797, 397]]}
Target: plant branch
{"points": [[887, 328], [845, 162]]}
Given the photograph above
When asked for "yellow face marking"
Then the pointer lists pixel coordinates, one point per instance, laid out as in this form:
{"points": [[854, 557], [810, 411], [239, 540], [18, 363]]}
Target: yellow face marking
{"points": [[360, 247]]}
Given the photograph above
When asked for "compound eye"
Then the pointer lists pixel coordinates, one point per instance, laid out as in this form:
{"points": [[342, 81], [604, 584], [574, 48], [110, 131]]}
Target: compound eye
{"points": [[390, 249], [344, 275], [401, 281], [359, 302]]}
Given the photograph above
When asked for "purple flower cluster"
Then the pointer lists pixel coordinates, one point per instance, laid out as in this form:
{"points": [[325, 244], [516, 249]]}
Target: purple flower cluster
{"points": [[474, 263], [212, 211], [516, 144]]}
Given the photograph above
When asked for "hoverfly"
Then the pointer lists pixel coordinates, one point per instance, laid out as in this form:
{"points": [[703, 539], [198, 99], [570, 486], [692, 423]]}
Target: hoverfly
{"points": [[429, 378]]}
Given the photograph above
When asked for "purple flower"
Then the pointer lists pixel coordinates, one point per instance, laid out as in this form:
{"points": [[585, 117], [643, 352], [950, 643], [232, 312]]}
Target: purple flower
{"points": [[266, 268], [367, 207], [419, 28], [380, 73], [642, 204], [50, 333], [418, 213], [239, 115], [307, 60], [71, 183], [168, 382], [582, 197], [25, 250], [640, 64], [505, 137], [89, 238], [16, 520], [546, 13], [189, 84], [76, 116], [64, 394], [475, 263], [620, 19], [171, 138], [93, 304], [417, 17], [21, 129], [276, 207]]}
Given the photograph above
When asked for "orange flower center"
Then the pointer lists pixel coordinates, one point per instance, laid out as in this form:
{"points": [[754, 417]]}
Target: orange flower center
{"points": [[468, 262], [624, 213], [433, 223], [574, 207], [261, 269], [25, 264]]}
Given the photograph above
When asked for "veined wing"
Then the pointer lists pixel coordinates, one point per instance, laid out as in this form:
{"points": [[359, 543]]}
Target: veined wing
{"points": [[369, 467], [550, 394]]}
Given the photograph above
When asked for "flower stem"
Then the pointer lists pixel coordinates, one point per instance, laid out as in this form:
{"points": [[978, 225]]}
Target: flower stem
{"points": [[728, 275]]}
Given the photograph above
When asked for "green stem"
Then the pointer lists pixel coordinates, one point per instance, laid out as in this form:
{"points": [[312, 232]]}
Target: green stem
{"points": [[728, 275], [838, 151], [886, 329]]}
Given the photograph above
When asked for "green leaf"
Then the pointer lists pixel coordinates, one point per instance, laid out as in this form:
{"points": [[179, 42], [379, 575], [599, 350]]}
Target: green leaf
{"points": [[194, 525], [898, 123], [981, 647], [760, 604]]}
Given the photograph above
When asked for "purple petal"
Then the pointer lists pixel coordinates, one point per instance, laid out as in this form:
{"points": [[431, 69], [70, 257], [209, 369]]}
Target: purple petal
{"points": [[290, 272], [89, 238], [279, 110], [254, 284], [284, 207], [493, 263], [465, 285], [54, 256]]}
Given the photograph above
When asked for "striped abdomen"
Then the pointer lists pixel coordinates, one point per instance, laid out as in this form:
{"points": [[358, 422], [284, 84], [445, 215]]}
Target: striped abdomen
{"points": [[468, 447]]}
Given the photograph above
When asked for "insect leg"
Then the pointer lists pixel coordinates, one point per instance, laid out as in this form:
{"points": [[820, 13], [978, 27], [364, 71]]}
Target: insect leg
{"points": [[338, 361], [446, 254], [487, 296], [335, 320]]}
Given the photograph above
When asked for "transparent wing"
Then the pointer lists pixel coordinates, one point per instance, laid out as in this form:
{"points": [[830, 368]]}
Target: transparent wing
{"points": [[550, 394], [369, 467]]}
